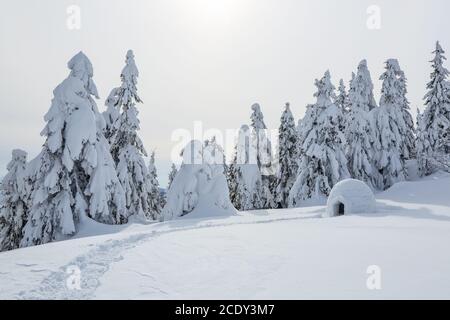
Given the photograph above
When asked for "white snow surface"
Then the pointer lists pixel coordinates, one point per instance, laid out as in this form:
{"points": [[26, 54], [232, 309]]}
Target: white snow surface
{"points": [[274, 254]]}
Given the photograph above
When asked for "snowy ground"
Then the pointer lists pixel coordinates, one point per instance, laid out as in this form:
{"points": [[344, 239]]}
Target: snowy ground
{"points": [[282, 254]]}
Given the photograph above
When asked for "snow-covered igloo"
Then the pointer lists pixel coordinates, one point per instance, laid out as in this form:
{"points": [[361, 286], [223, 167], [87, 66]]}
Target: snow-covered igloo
{"points": [[350, 196]]}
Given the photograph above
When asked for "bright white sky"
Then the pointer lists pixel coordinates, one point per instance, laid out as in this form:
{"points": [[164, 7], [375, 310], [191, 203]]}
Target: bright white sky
{"points": [[205, 60]]}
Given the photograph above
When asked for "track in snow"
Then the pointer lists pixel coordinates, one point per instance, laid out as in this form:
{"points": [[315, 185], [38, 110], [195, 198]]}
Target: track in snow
{"points": [[96, 262]]}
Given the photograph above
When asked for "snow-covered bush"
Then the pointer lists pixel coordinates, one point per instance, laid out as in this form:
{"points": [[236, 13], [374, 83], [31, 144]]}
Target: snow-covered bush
{"points": [[434, 123], [199, 188], [13, 202], [323, 162], [74, 175]]}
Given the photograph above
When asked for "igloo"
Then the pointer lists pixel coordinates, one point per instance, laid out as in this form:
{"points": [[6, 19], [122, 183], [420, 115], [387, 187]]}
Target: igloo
{"points": [[348, 197]]}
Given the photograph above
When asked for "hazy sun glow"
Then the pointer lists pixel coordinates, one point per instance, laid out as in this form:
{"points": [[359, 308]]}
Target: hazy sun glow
{"points": [[219, 11]]}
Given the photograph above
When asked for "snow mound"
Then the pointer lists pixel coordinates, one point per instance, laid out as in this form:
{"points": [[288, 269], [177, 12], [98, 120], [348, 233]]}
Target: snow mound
{"points": [[199, 188], [350, 196]]}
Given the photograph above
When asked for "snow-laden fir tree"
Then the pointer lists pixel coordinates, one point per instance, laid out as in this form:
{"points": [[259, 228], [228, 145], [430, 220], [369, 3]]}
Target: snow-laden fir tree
{"points": [[13, 202], [341, 100], [244, 177], [391, 128], [434, 123], [360, 130], [155, 198], [128, 150], [74, 175], [172, 174], [264, 157], [439, 161], [408, 149], [322, 163], [112, 115], [364, 80], [232, 176], [287, 156]]}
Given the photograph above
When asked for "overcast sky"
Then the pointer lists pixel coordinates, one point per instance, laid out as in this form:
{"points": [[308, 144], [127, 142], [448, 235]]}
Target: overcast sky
{"points": [[205, 60]]}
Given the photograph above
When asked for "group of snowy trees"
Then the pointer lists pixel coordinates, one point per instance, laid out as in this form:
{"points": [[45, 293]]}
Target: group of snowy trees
{"points": [[91, 164], [342, 135]]}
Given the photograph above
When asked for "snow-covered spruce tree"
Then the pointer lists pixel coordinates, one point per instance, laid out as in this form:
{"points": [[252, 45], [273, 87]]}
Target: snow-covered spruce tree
{"points": [[366, 84], [13, 202], [434, 123], [391, 128], [232, 174], [155, 199], [322, 163], [360, 130], [74, 175], [288, 157], [112, 115], [244, 177], [408, 149], [264, 157], [128, 150], [172, 174], [341, 100]]}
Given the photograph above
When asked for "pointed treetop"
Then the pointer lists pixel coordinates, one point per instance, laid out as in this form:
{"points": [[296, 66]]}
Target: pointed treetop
{"points": [[81, 65], [325, 89], [439, 57], [361, 89], [18, 156], [130, 71], [393, 63], [257, 117], [129, 77], [81, 68], [362, 65], [130, 54], [438, 48]]}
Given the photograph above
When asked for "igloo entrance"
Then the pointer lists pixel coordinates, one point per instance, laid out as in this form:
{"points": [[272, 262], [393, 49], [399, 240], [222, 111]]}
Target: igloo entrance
{"points": [[339, 209]]}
